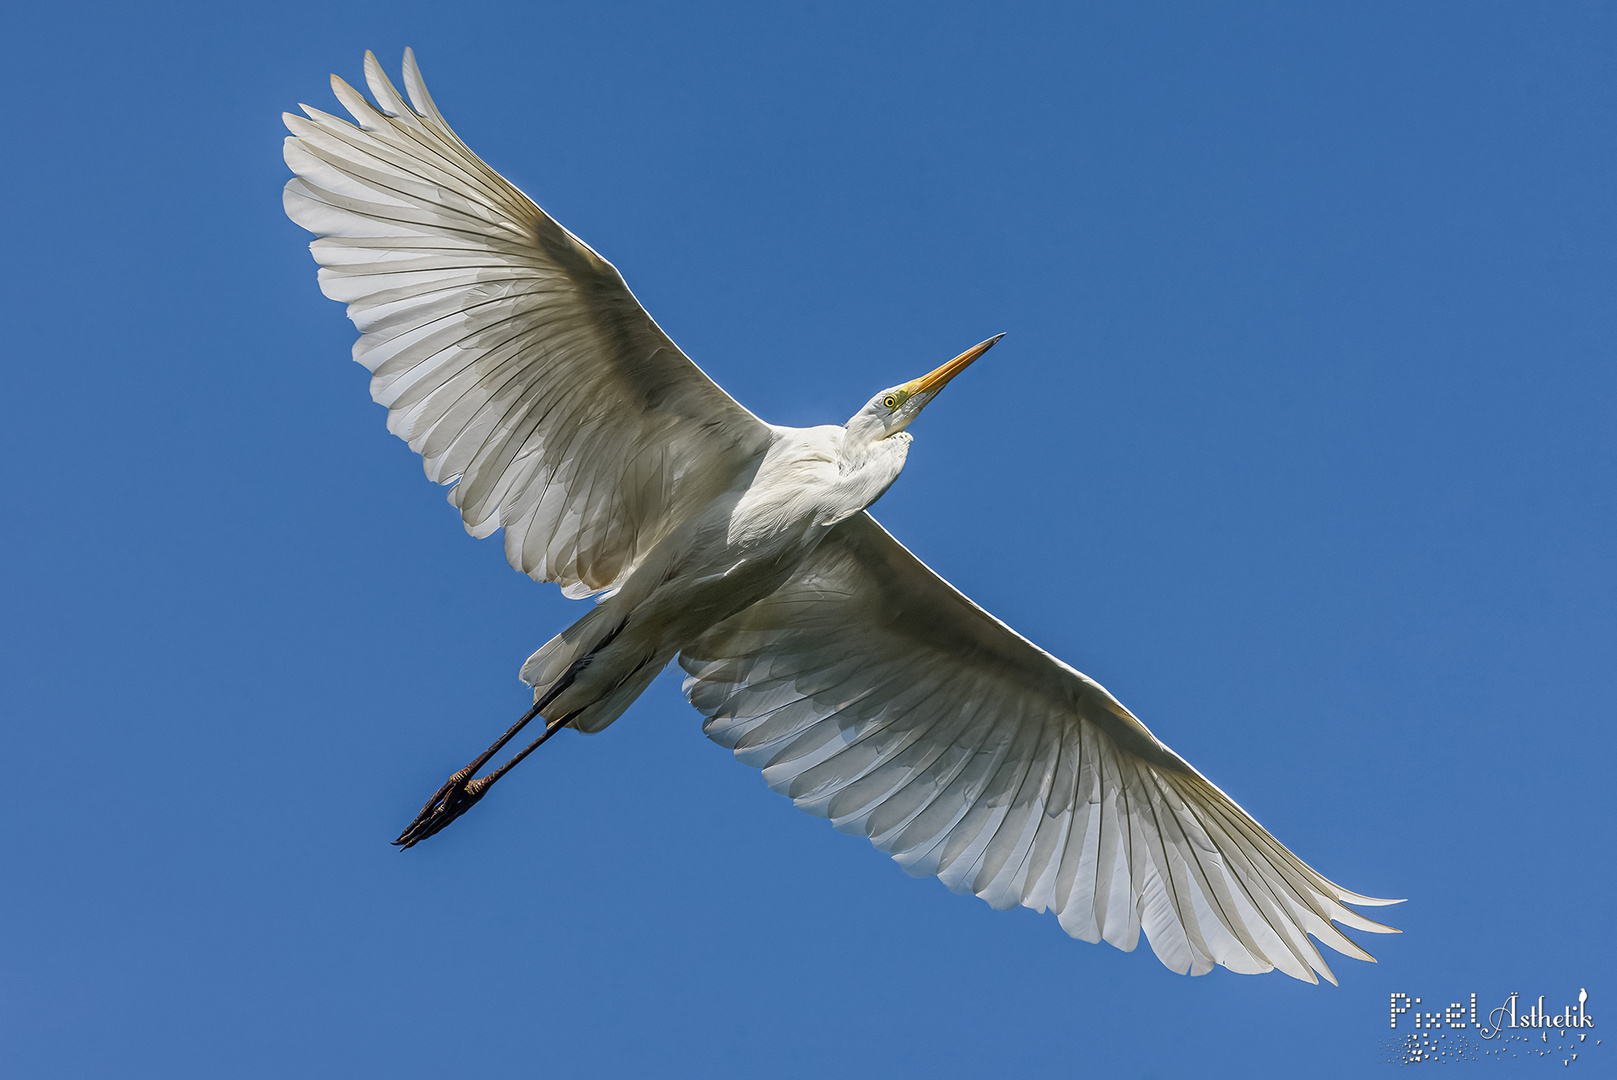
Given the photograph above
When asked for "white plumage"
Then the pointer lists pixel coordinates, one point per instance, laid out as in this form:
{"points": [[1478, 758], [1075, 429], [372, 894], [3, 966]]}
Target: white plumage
{"points": [[515, 360], [506, 351]]}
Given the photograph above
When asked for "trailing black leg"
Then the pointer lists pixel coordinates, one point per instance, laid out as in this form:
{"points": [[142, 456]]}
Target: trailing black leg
{"points": [[460, 792]]}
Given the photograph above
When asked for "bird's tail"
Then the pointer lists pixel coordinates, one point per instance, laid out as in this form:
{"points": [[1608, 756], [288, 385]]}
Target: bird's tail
{"points": [[601, 684], [575, 643]]}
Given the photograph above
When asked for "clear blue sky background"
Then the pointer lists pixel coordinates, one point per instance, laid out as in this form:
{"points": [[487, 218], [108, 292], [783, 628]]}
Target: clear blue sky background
{"points": [[1301, 442]]}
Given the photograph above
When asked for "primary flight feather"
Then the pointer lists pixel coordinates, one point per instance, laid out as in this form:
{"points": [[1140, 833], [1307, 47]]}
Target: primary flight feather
{"points": [[521, 368]]}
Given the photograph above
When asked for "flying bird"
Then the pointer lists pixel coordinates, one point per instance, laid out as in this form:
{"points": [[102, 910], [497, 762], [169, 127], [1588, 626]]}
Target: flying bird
{"points": [[517, 363]]}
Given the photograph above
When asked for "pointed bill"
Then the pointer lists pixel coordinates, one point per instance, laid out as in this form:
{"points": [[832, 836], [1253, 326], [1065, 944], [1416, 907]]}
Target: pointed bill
{"points": [[933, 381]]}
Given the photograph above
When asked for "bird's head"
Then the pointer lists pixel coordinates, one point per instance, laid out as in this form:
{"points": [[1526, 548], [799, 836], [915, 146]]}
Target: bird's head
{"points": [[892, 410]]}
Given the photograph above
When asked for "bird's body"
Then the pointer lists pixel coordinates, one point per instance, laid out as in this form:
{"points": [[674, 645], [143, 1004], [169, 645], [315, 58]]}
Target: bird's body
{"points": [[515, 360], [731, 553]]}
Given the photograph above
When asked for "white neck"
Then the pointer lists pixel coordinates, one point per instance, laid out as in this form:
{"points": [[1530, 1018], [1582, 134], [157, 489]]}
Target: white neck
{"points": [[868, 468]]}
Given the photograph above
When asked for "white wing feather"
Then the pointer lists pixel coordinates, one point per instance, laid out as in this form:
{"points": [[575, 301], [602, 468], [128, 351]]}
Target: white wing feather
{"points": [[510, 355], [874, 694]]}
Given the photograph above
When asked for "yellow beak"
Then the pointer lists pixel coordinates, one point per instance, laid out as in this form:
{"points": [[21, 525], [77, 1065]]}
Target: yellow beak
{"points": [[935, 380]]}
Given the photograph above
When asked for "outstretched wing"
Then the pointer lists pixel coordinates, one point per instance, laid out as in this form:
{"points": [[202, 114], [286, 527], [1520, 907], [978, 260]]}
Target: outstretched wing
{"points": [[873, 693], [510, 356]]}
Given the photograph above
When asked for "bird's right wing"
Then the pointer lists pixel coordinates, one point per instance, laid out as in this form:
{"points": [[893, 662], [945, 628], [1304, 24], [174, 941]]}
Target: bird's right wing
{"points": [[510, 355], [873, 693]]}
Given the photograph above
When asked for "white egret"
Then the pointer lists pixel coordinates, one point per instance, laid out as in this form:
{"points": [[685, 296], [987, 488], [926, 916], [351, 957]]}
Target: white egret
{"points": [[515, 360]]}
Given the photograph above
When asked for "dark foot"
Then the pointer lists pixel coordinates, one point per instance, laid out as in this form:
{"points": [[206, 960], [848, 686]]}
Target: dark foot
{"points": [[456, 797], [461, 793]]}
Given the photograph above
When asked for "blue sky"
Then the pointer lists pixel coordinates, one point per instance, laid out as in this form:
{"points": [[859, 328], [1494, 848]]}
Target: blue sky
{"points": [[1301, 442]]}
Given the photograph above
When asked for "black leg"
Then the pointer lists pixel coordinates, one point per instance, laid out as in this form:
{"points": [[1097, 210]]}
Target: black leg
{"points": [[460, 792]]}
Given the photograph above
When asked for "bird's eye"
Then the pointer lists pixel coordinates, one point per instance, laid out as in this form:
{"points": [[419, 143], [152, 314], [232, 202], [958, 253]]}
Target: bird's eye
{"points": [[890, 401]]}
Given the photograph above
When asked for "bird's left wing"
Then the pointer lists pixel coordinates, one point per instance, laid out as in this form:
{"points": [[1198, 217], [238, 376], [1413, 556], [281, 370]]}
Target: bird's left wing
{"points": [[873, 693], [510, 355]]}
